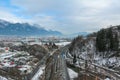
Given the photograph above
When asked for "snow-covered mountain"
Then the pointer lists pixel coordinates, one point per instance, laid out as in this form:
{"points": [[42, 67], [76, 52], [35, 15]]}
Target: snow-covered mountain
{"points": [[80, 33], [73, 35], [25, 29]]}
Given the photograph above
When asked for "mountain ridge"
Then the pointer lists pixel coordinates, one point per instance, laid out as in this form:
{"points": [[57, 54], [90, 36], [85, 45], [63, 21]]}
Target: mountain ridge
{"points": [[25, 29]]}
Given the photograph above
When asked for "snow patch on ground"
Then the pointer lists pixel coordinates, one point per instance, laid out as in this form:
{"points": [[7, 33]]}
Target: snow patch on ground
{"points": [[107, 79], [62, 43], [3, 78], [38, 74], [72, 73]]}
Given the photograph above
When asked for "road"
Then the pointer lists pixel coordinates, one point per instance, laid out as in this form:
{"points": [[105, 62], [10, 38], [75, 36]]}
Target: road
{"points": [[56, 67]]}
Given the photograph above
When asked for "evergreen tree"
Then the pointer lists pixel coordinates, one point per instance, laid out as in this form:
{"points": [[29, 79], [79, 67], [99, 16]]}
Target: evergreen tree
{"points": [[74, 59]]}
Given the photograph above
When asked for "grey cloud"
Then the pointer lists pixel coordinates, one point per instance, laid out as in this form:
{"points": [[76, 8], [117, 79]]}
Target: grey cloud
{"points": [[76, 15]]}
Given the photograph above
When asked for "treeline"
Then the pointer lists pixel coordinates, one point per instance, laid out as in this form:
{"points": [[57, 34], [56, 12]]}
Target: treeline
{"points": [[108, 39]]}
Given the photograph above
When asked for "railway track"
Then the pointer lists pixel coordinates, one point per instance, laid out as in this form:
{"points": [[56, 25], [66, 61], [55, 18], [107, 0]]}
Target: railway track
{"points": [[56, 68]]}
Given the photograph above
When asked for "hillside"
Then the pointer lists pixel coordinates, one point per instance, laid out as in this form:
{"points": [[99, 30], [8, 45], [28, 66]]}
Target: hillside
{"points": [[102, 48], [108, 40]]}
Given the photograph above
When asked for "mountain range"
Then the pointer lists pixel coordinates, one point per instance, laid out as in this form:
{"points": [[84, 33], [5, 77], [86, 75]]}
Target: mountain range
{"points": [[73, 35], [80, 33], [25, 29]]}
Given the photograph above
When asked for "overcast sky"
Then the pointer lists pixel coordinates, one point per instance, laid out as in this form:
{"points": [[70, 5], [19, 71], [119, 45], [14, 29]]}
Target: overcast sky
{"points": [[67, 16]]}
